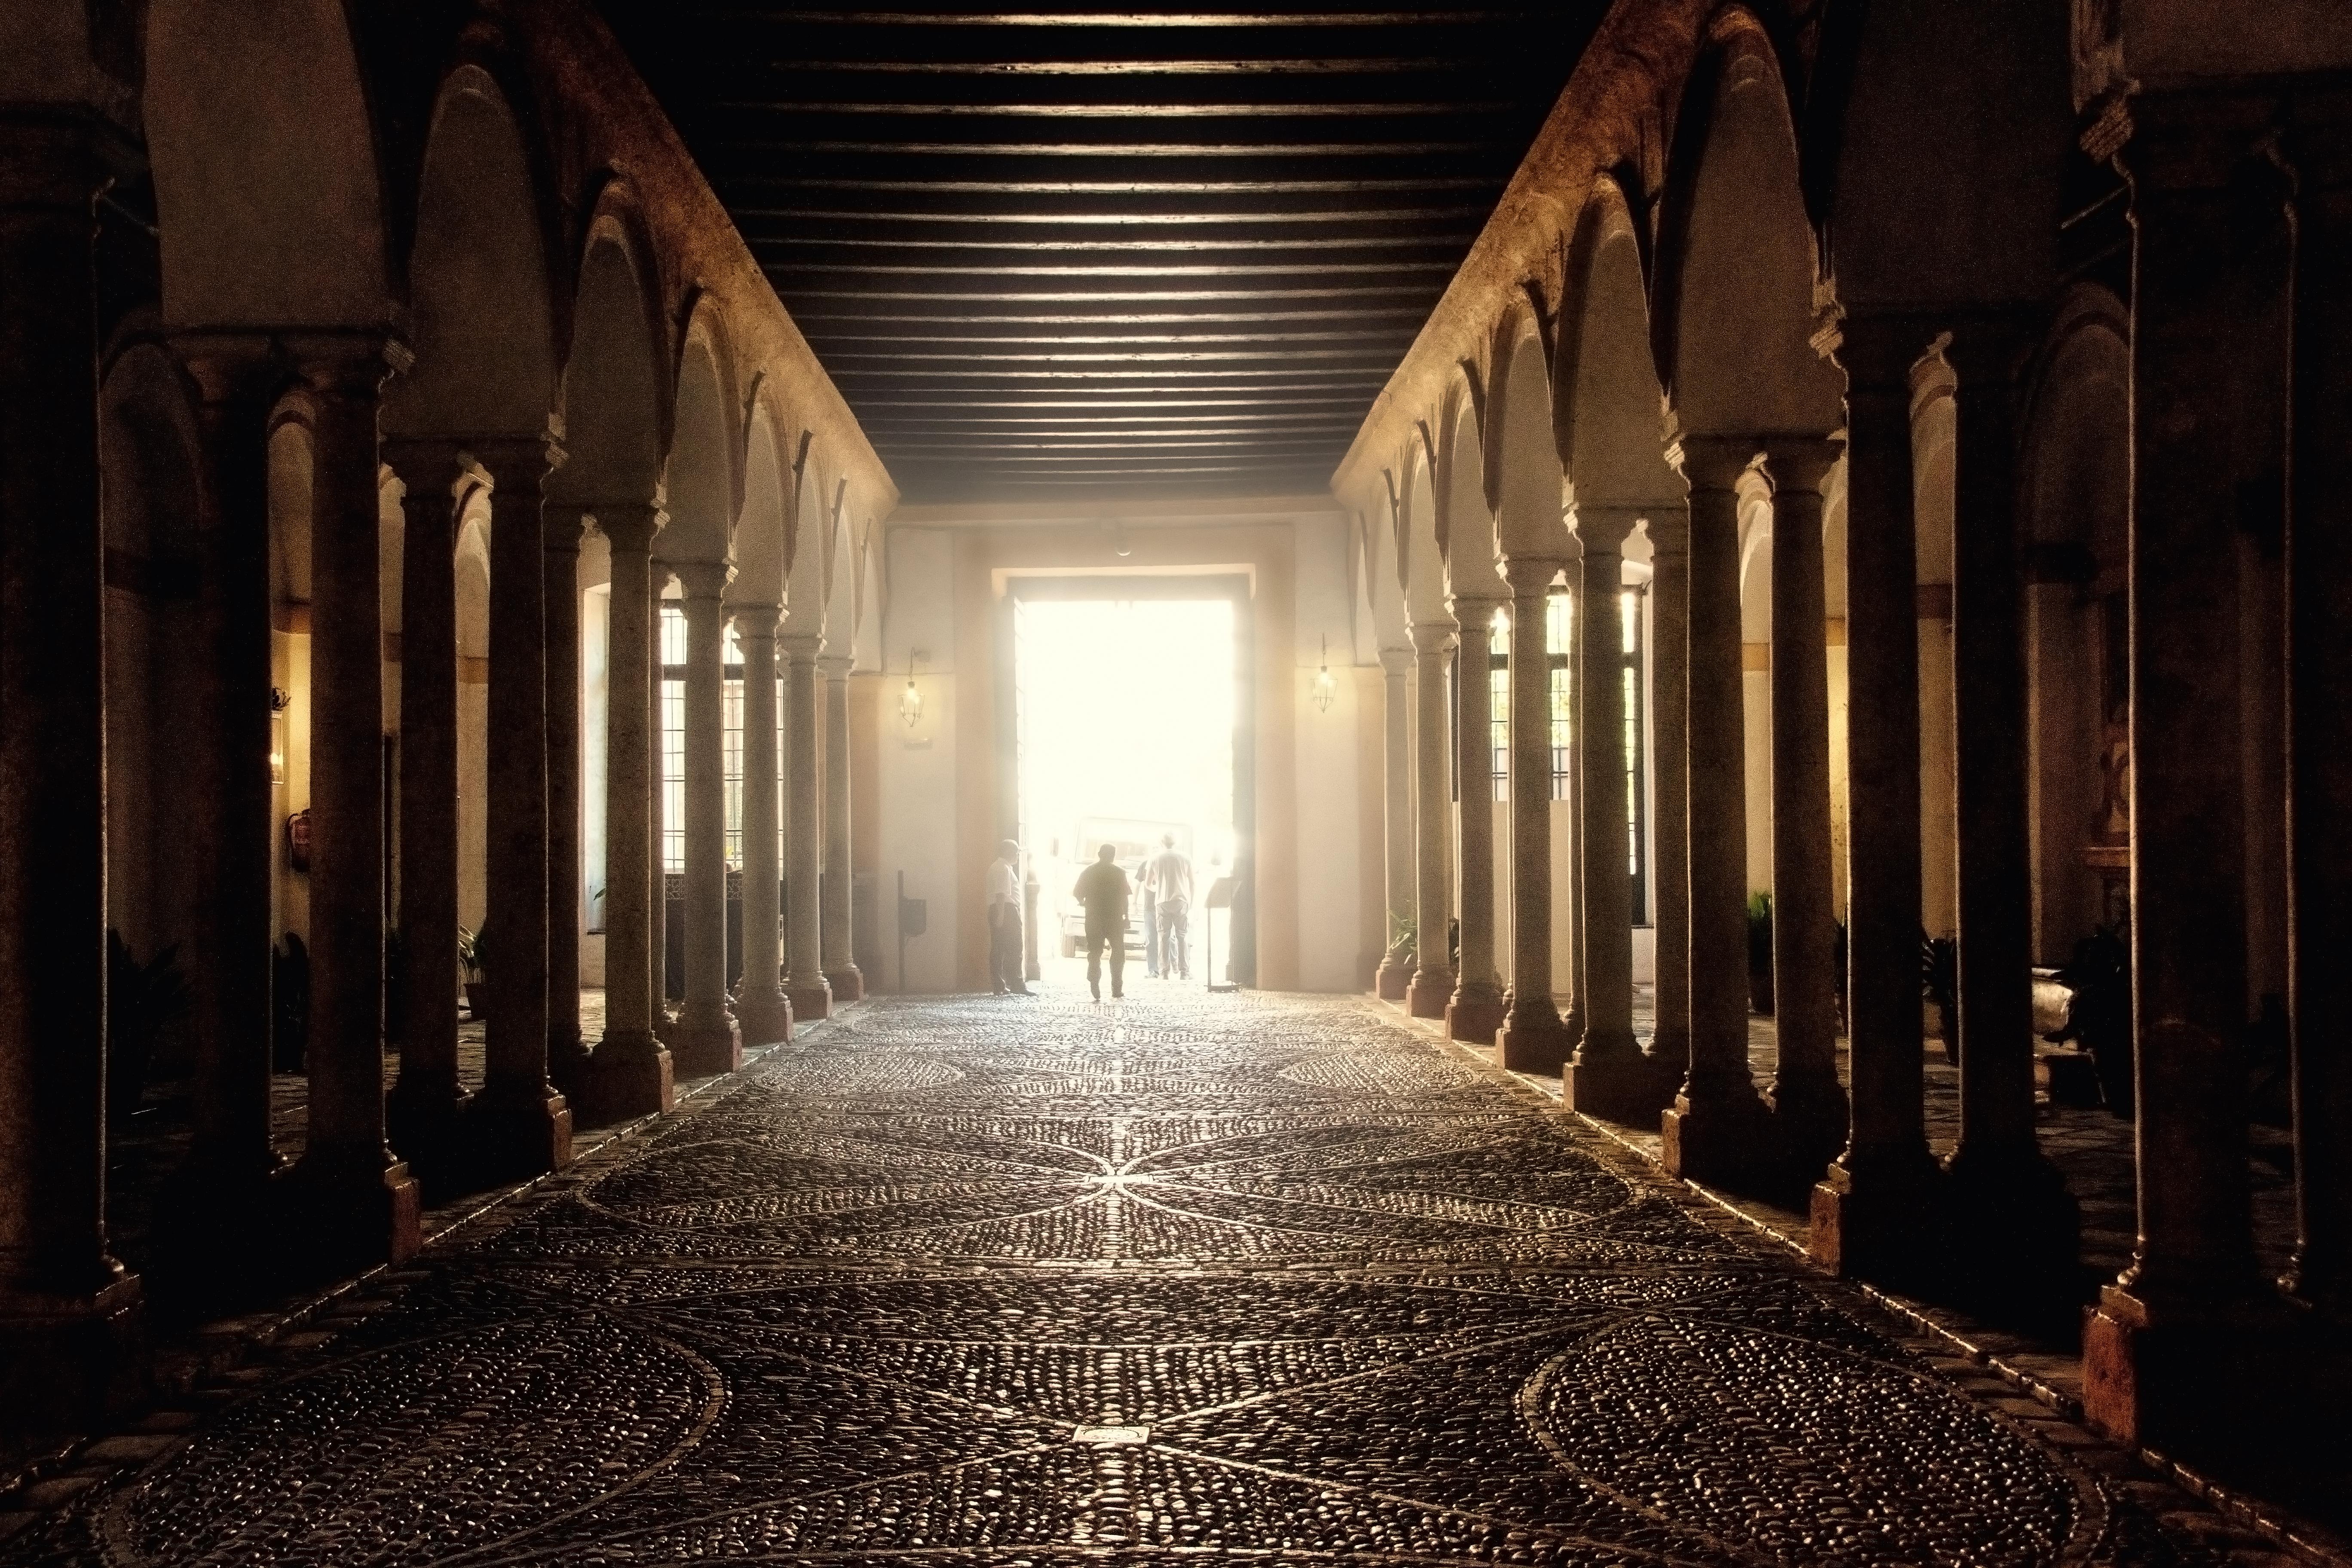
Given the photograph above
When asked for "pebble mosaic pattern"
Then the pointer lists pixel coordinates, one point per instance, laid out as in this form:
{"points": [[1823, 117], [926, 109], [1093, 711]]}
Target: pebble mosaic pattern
{"points": [[1001, 1284]]}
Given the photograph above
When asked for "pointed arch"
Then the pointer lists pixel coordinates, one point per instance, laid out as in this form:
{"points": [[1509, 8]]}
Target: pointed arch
{"points": [[615, 387], [1609, 406], [702, 475], [481, 316], [267, 188], [1470, 552], [759, 527], [1521, 453]]}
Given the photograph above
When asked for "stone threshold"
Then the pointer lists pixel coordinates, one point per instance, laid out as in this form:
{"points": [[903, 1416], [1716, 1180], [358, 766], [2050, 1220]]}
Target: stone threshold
{"points": [[214, 1363], [2052, 1380]]}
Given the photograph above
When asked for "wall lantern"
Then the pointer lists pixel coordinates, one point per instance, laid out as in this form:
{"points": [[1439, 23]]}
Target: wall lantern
{"points": [[1325, 687], [278, 703], [910, 702]]}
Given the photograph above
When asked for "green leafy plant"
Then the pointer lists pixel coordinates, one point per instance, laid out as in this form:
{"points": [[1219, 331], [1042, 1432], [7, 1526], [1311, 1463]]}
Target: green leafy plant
{"points": [[1402, 932], [1939, 982], [469, 955], [1760, 952]]}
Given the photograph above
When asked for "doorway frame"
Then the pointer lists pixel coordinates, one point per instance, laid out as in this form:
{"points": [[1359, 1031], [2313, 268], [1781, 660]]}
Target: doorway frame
{"points": [[1237, 586]]}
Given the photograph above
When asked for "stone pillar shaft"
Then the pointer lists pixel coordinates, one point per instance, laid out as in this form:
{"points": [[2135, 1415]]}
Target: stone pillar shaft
{"points": [[1610, 1076], [1871, 1210], [230, 946], [1715, 1129], [1433, 972], [367, 1203], [705, 1040], [811, 997], [1807, 1101], [1532, 1037], [1396, 973], [521, 1125], [1574, 982], [1476, 1009], [764, 1015], [841, 971], [633, 1068], [425, 1102], [2319, 638], [58, 1280], [2012, 1214], [567, 1057], [1669, 786]]}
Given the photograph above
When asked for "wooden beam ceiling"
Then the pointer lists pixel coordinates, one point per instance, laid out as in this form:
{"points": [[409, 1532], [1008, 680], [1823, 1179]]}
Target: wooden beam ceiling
{"points": [[1119, 252]]}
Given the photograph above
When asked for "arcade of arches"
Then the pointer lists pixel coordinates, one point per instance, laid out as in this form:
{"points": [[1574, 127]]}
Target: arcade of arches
{"points": [[1791, 595]]}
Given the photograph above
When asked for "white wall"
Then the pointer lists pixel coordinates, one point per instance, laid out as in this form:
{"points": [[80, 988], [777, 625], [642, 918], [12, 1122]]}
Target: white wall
{"points": [[917, 824], [1331, 875]]}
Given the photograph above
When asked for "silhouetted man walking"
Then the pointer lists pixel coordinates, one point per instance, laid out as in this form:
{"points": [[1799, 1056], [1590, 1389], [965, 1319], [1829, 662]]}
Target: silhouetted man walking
{"points": [[1004, 921], [1169, 875], [1102, 890]]}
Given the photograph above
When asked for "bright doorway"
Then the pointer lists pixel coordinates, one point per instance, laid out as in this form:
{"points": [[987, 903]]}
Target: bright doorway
{"points": [[1128, 727]]}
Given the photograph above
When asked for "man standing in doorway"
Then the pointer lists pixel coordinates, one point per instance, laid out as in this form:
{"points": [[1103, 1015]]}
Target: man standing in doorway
{"points": [[1004, 921], [1102, 890], [1170, 877]]}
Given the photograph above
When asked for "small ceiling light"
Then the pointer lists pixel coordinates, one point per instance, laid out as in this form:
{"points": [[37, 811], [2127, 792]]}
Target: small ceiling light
{"points": [[910, 702], [1325, 687], [278, 703]]}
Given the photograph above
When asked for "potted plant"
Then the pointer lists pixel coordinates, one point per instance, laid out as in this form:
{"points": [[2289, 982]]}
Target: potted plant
{"points": [[469, 960], [1939, 982], [1759, 954]]}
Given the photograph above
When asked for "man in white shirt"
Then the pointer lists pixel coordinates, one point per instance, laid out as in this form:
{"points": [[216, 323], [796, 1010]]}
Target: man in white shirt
{"points": [[1004, 921], [1169, 877]]}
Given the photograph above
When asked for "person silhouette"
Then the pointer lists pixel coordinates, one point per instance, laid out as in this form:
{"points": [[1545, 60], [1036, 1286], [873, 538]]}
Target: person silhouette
{"points": [[1102, 890]]}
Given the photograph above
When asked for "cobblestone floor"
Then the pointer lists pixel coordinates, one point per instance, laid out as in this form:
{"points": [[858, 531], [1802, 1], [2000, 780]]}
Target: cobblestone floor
{"points": [[1005, 1283]]}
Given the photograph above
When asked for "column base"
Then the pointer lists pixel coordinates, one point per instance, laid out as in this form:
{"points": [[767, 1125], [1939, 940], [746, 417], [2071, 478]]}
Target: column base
{"points": [[701, 1050], [2012, 1232], [1474, 1013], [1611, 1078], [1532, 1043], [1877, 1219], [849, 981], [630, 1077], [567, 1065], [1394, 978], [1722, 1137], [1814, 1121], [811, 1002], [1430, 992], [344, 1213], [514, 1133], [2161, 1373], [69, 1363], [764, 1020]]}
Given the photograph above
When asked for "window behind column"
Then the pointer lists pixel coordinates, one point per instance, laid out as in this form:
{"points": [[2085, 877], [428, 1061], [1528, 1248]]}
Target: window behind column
{"points": [[673, 740]]}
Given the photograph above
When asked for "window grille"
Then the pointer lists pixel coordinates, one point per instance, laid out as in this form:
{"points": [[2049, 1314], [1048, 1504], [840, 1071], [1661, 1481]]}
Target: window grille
{"points": [[673, 739]]}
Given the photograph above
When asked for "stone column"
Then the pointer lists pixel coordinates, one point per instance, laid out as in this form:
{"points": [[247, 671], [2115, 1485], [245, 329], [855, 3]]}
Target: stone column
{"points": [[1432, 973], [841, 971], [2153, 1353], [1476, 1009], [212, 1213], [1533, 1039], [520, 1126], [761, 1007], [2013, 1222], [2319, 656], [705, 1039], [1610, 1076], [1809, 1105], [1669, 1049], [1395, 973], [356, 1203], [1872, 1212], [657, 947], [421, 1114], [811, 997], [1573, 983], [1718, 1129], [631, 1067], [567, 1055], [69, 1312]]}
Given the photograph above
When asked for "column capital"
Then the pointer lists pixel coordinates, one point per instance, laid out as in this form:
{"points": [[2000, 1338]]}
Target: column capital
{"points": [[348, 365], [1798, 464], [520, 459], [701, 579], [426, 464], [755, 620], [1530, 576], [1603, 529], [802, 646], [1476, 609], [1713, 462], [1433, 636], [834, 665], [629, 525], [1397, 660], [1669, 530], [566, 523]]}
